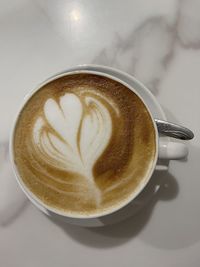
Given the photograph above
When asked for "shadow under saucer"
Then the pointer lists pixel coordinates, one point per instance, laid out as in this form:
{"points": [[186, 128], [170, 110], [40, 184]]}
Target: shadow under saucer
{"points": [[162, 186]]}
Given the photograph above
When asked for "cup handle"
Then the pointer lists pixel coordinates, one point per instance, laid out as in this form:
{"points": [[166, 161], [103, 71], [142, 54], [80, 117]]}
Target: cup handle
{"points": [[172, 150]]}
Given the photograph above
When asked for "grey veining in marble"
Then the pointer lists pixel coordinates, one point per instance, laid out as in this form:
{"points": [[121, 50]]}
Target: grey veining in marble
{"points": [[159, 43], [140, 47], [12, 200]]}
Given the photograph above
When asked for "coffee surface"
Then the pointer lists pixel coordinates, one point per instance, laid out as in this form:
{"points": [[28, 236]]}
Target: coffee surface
{"points": [[83, 143]]}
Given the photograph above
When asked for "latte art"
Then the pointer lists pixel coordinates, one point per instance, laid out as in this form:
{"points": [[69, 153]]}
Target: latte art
{"points": [[83, 144], [72, 136]]}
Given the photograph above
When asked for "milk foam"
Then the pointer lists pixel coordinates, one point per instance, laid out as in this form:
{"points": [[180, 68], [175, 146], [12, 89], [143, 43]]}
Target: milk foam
{"points": [[80, 146], [80, 130]]}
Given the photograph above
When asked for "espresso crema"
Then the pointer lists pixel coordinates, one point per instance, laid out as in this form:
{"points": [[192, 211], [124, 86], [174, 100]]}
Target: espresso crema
{"points": [[83, 143]]}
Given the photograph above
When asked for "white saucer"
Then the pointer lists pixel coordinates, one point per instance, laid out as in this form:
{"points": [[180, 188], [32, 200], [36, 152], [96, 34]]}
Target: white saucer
{"points": [[155, 183]]}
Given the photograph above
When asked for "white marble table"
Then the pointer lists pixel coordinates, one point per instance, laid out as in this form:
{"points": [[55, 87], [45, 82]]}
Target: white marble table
{"points": [[159, 43]]}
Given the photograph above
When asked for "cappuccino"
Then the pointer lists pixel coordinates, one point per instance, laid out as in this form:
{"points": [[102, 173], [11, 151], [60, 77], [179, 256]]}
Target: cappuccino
{"points": [[83, 143]]}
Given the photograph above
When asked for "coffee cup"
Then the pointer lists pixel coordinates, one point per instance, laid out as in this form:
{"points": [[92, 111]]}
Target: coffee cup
{"points": [[90, 106]]}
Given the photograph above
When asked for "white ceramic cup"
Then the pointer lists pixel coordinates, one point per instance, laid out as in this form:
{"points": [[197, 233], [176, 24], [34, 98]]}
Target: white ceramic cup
{"points": [[164, 150]]}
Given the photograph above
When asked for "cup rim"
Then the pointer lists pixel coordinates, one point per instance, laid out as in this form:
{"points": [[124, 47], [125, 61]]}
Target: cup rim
{"points": [[31, 196]]}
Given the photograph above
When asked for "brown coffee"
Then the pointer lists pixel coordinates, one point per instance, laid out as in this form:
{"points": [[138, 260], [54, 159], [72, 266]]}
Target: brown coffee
{"points": [[83, 143]]}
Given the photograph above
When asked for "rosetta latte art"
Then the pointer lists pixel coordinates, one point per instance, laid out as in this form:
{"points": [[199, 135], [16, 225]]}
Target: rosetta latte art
{"points": [[80, 133]]}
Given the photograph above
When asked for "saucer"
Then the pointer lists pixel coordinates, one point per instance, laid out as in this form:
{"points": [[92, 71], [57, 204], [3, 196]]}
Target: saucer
{"points": [[154, 185]]}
